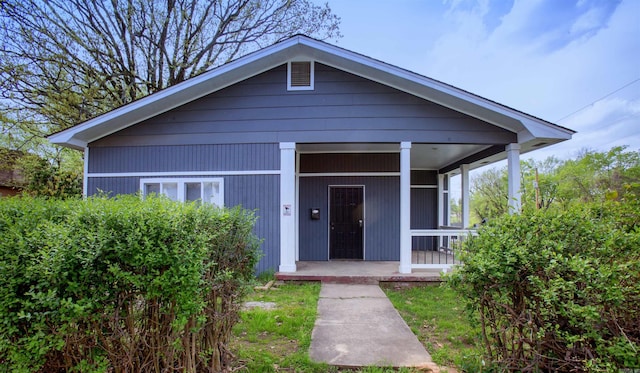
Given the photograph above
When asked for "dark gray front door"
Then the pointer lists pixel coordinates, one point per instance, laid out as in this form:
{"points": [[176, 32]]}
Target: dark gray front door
{"points": [[346, 222]]}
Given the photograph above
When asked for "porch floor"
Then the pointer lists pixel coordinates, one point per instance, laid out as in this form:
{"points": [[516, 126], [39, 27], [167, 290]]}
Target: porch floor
{"points": [[357, 272]]}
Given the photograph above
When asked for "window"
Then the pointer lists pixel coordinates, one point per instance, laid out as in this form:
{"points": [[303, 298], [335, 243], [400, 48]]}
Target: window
{"points": [[208, 190], [300, 75]]}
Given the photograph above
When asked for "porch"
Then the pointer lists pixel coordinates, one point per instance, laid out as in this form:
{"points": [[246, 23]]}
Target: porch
{"points": [[357, 272], [358, 200], [435, 251]]}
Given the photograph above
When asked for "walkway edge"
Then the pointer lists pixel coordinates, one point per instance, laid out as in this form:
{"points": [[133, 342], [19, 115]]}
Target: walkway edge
{"points": [[358, 326]]}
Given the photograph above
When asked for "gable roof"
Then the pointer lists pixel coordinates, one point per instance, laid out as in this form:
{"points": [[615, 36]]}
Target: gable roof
{"points": [[532, 132]]}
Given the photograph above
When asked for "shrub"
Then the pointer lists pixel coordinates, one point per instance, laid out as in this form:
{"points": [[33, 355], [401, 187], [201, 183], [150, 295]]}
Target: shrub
{"points": [[557, 291], [120, 284]]}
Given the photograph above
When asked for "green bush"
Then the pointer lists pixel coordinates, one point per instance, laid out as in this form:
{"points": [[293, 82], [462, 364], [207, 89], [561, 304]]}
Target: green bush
{"points": [[557, 291], [120, 284]]}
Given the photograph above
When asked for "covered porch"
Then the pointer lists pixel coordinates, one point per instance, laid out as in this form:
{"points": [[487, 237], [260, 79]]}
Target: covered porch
{"points": [[357, 272], [415, 196]]}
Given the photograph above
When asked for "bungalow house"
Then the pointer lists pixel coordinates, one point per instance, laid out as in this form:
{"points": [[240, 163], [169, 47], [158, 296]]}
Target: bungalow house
{"points": [[343, 156]]}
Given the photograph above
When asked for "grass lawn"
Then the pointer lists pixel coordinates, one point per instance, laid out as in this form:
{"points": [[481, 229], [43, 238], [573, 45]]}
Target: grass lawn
{"points": [[278, 340], [436, 315]]}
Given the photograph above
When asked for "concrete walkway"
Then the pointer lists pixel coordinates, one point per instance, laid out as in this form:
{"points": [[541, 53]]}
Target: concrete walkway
{"points": [[358, 326]]}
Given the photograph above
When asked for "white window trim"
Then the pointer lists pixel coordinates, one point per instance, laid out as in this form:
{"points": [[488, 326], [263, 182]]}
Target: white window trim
{"points": [[301, 88], [218, 200]]}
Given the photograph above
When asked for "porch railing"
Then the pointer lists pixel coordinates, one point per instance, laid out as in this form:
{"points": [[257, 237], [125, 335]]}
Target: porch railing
{"points": [[437, 248]]}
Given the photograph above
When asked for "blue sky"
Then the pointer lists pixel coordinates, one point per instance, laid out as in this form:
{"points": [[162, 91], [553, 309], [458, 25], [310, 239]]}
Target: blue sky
{"points": [[572, 62]]}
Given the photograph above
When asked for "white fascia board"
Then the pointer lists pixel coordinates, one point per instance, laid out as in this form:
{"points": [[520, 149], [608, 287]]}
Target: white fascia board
{"points": [[66, 138], [304, 47], [434, 91], [77, 144], [547, 131]]}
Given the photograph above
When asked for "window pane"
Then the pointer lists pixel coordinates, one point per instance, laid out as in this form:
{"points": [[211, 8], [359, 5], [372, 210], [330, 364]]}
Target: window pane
{"points": [[192, 191], [153, 188], [211, 192], [170, 190]]}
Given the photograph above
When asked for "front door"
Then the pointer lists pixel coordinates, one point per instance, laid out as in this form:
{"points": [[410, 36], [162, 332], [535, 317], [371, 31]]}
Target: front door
{"points": [[346, 222]]}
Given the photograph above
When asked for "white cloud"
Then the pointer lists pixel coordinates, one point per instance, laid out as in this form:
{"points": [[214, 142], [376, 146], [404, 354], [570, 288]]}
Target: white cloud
{"points": [[607, 123], [520, 73], [545, 57], [604, 113]]}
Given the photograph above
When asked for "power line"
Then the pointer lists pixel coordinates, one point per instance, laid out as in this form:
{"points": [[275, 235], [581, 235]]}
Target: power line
{"points": [[600, 99]]}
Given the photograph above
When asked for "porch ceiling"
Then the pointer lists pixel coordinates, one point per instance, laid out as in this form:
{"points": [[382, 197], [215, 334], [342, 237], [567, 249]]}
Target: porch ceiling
{"points": [[423, 156]]}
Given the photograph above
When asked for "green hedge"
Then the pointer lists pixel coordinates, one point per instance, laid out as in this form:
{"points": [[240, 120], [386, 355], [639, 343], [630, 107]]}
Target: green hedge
{"points": [[120, 284], [557, 291]]}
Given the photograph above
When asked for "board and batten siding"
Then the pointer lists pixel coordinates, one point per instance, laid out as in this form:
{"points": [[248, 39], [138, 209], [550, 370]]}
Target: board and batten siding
{"points": [[258, 192], [252, 192], [349, 162], [382, 216], [184, 158], [342, 108], [424, 207]]}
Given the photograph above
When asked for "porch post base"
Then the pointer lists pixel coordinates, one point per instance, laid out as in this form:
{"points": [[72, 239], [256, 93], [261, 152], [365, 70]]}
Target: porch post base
{"points": [[287, 268], [404, 269]]}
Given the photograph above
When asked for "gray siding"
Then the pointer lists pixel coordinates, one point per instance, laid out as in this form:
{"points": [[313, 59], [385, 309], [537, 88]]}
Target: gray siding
{"points": [[261, 193], [424, 177], [424, 201], [382, 216], [342, 108], [253, 192], [424, 207], [349, 162], [176, 158], [113, 185], [424, 215]]}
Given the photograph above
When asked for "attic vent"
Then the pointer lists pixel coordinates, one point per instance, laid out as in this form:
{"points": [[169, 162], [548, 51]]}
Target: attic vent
{"points": [[300, 75]]}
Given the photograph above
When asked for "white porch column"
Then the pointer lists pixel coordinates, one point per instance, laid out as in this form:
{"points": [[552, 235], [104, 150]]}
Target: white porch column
{"points": [[85, 176], [441, 200], [464, 184], [513, 169], [441, 209], [405, 207], [287, 207], [446, 199]]}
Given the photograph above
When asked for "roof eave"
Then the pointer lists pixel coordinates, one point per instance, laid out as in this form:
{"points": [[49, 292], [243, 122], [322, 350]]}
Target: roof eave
{"points": [[527, 127], [440, 93], [174, 96]]}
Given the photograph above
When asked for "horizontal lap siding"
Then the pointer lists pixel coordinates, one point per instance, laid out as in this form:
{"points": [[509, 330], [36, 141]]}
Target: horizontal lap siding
{"points": [[177, 158], [382, 216], [341, 108], [253, 192]]}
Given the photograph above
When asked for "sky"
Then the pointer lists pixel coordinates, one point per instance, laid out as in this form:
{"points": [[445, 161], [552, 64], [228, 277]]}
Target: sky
{"points": [[575, 63]]}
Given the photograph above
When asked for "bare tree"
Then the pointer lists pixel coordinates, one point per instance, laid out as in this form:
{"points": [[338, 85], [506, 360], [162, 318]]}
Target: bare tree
{"points": [[64, 61]]}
